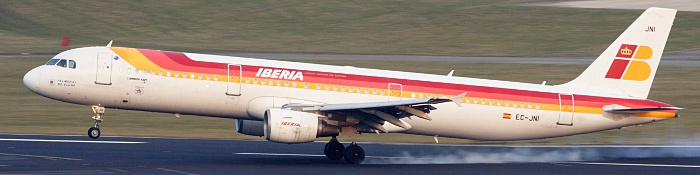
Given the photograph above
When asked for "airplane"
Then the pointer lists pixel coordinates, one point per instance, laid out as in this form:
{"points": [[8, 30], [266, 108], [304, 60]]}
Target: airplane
{"points": [[289, 102]]}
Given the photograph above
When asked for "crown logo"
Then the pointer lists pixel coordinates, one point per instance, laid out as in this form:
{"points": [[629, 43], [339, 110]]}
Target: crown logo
{"points": [[625, 51]]}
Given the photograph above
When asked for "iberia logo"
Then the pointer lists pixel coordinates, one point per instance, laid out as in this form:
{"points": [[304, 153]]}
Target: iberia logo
{"points": [[630, 63]]}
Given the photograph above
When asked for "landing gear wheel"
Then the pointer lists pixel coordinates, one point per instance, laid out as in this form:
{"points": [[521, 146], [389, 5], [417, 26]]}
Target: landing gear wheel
{"points": [[334, 150], [94, 132], [354, 154]]}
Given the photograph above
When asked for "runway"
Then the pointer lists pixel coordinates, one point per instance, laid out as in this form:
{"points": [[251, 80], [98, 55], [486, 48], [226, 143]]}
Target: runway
{"points": [[42, 154]]}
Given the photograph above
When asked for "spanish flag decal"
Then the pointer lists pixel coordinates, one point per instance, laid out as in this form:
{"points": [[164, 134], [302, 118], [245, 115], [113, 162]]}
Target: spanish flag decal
{"points": [[506, 115]]}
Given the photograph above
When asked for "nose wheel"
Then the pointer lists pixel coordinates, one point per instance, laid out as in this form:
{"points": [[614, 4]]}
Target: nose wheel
{"points": [[94, 131]]}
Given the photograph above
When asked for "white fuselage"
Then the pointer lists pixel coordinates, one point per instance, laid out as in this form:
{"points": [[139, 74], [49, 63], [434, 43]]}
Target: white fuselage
{"points": [[491, 110]]}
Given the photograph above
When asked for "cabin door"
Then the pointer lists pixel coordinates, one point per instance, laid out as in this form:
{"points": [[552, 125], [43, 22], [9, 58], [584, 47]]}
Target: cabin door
{"points": [[104, 69], [234, 80], [566, 109]]}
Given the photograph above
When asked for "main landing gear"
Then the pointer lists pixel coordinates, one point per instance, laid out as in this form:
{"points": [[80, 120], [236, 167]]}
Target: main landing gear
{"points": [[353, 154], [94, 132]]}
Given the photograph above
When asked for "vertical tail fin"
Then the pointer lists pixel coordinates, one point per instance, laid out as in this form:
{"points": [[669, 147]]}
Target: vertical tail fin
{"points": [[627, 67]]}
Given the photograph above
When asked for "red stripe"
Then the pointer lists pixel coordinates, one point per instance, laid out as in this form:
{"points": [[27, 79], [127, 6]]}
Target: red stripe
{"points": [[180, 62], [617, 68]]}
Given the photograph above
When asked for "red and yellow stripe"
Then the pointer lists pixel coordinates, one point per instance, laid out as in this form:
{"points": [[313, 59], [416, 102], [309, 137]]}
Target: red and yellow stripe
{"points": [[158, 61]]}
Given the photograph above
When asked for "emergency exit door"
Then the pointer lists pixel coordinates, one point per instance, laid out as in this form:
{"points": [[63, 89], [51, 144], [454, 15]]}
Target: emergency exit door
{"points": [[234, 80], [395, 92], [566, 109]]}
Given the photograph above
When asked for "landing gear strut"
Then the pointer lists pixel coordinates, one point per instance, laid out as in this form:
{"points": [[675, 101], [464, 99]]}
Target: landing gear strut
{"points": [[94, 132]]}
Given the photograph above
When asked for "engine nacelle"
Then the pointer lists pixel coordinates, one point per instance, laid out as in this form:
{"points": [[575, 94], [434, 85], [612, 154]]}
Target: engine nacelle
{"points": [[250, 127], [288, 126]]}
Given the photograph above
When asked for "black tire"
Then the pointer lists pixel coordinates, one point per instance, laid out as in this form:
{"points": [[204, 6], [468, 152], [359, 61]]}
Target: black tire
{"points": [[94, 133], [334, 150], [354, 154]]}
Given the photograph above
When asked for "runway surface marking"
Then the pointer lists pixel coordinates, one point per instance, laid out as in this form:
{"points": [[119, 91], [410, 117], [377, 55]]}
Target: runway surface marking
{"points": [[59, 172], [39, 156], [632, 164], [310, 155], [175, 171], [71, 141]]}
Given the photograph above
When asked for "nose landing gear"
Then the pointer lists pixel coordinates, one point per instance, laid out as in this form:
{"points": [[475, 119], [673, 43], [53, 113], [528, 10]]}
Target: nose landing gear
{"points": [[94, 132]]}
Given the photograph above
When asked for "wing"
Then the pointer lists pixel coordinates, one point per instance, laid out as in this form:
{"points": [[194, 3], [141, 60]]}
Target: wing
{"points": [[374, 114]]}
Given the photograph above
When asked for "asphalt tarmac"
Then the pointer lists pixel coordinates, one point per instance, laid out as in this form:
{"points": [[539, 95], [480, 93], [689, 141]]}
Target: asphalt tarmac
{"points": [[42, 154]]}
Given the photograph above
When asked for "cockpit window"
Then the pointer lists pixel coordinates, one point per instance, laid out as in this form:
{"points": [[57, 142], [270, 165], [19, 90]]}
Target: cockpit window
{"points": [[61, 63], [71, 64], [52, 62]]}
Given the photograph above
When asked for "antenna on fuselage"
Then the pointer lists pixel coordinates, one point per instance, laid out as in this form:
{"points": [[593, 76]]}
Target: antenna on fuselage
{"points": [[451, 72], [110, 43]]}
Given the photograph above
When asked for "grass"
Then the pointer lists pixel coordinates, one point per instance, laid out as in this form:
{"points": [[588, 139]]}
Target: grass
{"points": [[25, 112], [467, 28]]}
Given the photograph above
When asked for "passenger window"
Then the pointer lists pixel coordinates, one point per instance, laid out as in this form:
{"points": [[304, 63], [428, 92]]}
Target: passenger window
{"points": [[128, 70], [136, 71], [199, 76], [537, 106], [71, 64], [306, 85], [177, 74], [145, 71], [209, 78], [216, 77], [286, 83], [184, 75], [168, 73], [192, 76], [52, 62], [160, 73], [61, 63], [468, 100]]}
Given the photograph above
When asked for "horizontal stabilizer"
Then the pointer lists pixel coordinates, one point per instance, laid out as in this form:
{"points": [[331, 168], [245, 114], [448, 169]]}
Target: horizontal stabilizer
{"points": [[617, 109]]}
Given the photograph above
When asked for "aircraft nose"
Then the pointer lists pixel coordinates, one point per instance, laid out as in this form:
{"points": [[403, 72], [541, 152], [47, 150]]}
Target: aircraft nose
{"points": [[31, 80]]}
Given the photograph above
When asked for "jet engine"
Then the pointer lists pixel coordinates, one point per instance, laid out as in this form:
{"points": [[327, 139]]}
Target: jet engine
{"points": [[287, 126]]}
